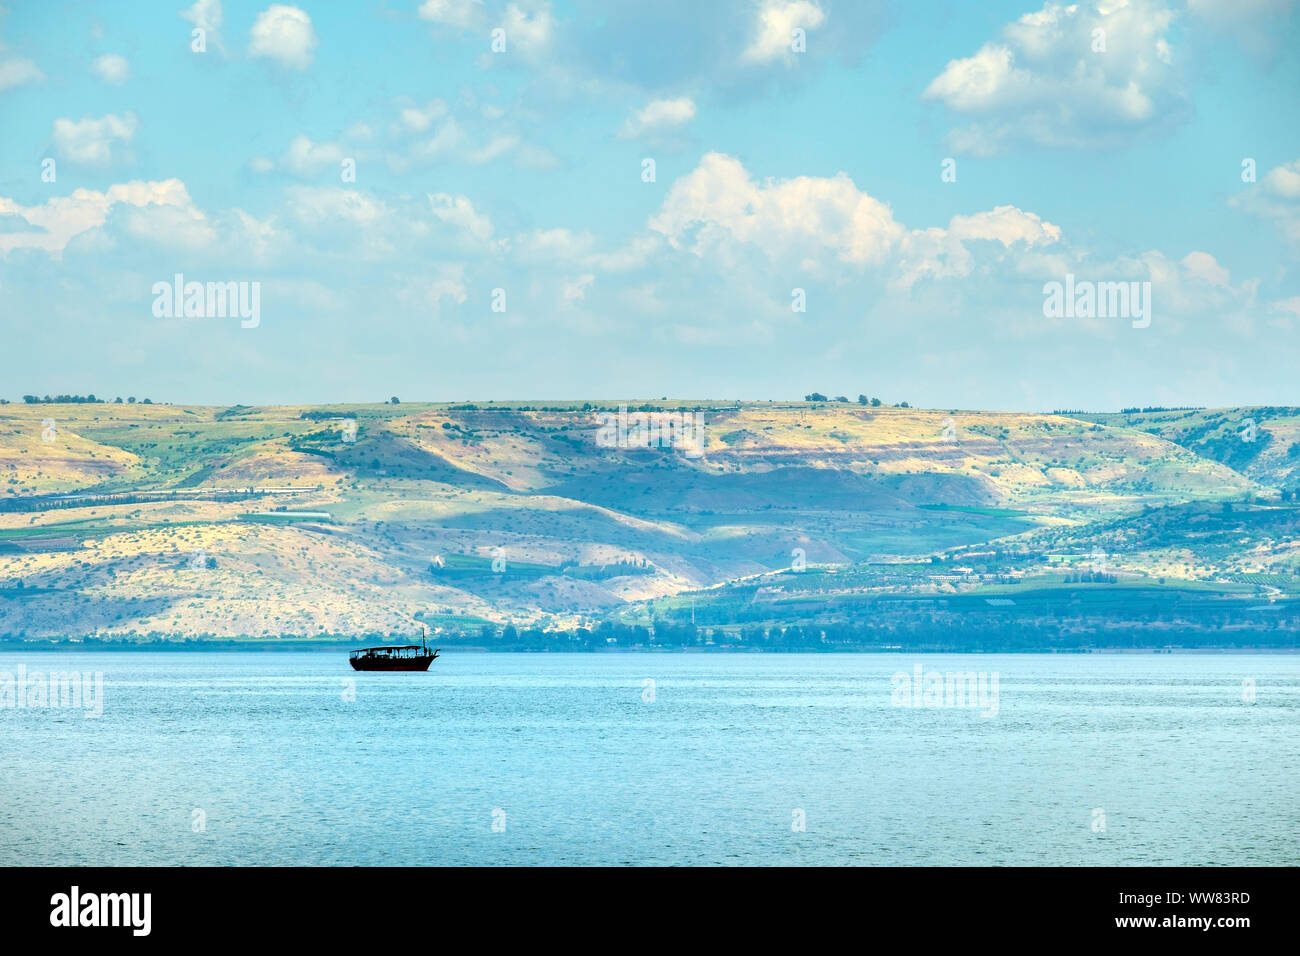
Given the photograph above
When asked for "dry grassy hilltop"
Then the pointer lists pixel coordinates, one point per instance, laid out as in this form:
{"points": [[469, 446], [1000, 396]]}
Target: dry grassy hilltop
{"points": [[163, 521]]}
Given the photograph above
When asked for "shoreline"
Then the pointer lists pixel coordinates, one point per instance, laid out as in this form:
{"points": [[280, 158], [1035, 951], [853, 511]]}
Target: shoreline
{"points": [[312, 647]]}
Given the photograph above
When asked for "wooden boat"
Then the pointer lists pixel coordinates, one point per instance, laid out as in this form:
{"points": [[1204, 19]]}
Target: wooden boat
{"points": [[395, 657]]}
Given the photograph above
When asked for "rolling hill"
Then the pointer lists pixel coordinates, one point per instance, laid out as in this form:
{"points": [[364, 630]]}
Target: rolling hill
{"points": [[132, 521]]}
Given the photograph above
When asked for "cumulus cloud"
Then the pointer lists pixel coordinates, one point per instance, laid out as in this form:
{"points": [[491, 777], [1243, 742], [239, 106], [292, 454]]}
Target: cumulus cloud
{"points": [[1086, 74], [596, 47], [1284, 181], [1275, 197], [456, 13], [91, 141], [423, 134], [718, 205], [111, 68], [1193, 285], [16, 71], [575, 290], [939, 253], [444, 143], [206, 15], [417, 119], [819, 225], [284, 34], [460, 212], [314, 205], [57, 220], [529, 28], [306, 158], [1203, 266], [170, 226], [658, 116], [774, 31]]}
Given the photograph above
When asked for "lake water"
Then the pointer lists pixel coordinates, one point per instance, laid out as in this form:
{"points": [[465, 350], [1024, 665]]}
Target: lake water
{"points": [[494, 758]]}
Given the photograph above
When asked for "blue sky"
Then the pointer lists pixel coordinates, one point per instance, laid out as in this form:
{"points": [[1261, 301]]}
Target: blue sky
{"points": [[1105, 141]]}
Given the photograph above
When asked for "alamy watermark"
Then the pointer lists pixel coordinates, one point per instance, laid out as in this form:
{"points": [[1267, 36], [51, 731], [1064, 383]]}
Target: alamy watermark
{"points": [[681, 430], [924, 688], [37, 691], [179, 299], [1098, 300], [75, 908]]}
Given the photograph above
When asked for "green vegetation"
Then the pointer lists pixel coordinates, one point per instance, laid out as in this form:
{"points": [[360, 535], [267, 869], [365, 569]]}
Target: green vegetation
{"points": [[824, 523]]}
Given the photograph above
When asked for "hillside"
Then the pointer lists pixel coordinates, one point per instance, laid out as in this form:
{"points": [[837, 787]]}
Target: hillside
{"points": [[130, 521]]}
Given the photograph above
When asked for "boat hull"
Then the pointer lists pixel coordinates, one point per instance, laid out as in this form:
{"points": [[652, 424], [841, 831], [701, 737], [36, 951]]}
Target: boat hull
{"points": [[420, 663]]}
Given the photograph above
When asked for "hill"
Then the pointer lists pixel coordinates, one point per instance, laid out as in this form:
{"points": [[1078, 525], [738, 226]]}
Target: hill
{"points": [[130, 521]]}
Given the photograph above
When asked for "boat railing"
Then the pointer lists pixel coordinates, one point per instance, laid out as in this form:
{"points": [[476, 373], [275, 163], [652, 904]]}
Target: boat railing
{"points": [[402, 650]]}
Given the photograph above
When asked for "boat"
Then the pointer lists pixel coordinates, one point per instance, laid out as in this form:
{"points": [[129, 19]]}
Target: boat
{"points": [[395, 657]]}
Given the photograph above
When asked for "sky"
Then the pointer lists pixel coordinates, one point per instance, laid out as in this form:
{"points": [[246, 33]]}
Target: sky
{"points": [[457, 200]]}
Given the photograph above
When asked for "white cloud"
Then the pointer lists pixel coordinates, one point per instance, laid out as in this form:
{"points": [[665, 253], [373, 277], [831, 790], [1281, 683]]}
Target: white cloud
{"points": [[206, 16], [1194, 285], [17, 70], [111, 68], [1284, 181], [456, 13], [422, 134], [1277, 197], [529, 31], [497, 147], [718, 204], [938, 253], [59, 219], [774, 31], [90, 141], [460, 212], [426, 291], [557, 245], [446, 287], [817, 225], [659, 115], [417, 119], [259, 236], [306, 158], [1086, 74], [575, 290], [1203, 266], [566, 249], [170, 226], [1291, 305], [314, 205], [440, 145], [284, 34]]}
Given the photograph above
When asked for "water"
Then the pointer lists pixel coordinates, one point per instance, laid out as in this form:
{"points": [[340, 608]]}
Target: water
{"points": [[263, 750]]}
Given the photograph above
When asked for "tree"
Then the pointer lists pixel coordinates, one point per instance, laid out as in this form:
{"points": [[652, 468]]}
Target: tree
{"points": [[814, 397], [394, 401], [862, 399]]}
